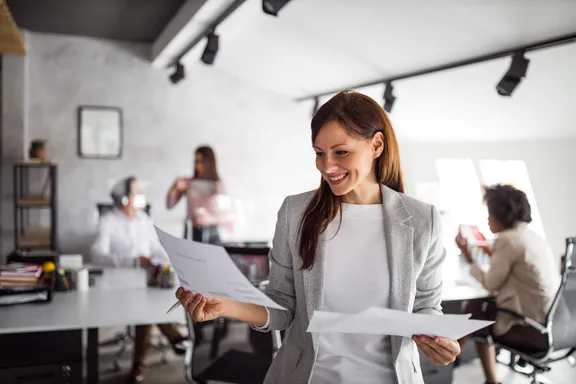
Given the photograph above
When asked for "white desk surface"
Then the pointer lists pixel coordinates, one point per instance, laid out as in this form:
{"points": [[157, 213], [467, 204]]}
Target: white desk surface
{"points": [[459, 285], [121, 297], [130, 302]]}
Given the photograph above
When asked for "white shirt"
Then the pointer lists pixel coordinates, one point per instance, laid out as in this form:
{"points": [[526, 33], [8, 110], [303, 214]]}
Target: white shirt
{"points": [[357, 276], [121, 240]]}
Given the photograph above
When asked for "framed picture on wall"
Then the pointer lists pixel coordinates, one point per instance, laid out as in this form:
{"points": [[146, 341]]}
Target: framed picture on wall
{"points": [[99, 132]]}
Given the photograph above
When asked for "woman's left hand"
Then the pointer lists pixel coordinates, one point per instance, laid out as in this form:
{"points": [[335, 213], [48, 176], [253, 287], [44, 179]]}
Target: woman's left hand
{"points": [[439, 350]]}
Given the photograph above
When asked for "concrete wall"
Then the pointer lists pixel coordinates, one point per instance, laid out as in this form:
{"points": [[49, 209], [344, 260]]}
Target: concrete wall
{"points": [[13, 138], [260, 138]]}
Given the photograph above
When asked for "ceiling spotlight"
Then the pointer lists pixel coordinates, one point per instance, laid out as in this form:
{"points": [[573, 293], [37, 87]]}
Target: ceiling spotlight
{"points": [[272, 7], [389, 97], [316, 106], [179, 73], [212, 45], [514, 75]]}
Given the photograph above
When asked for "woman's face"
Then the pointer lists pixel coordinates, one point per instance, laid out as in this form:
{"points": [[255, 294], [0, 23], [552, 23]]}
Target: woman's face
{"points": [[345, 162], [494, 225], [199, 165]]}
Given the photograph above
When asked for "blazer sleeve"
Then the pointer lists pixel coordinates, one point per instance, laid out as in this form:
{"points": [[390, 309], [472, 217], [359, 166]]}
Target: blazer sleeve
{"points": [[429, 282], [281, 277], [501, 262]]}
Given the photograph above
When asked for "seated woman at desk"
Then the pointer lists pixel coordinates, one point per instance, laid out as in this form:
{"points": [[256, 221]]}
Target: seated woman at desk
{"points": [[523, 274], [126, 238]]}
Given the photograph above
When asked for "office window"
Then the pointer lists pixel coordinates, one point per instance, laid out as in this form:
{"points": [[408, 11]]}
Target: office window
{"points": [[515, 173], [462, 193]]}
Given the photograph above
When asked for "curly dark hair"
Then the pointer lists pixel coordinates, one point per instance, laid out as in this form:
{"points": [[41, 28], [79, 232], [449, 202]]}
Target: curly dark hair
{"points": [[508, 205]]}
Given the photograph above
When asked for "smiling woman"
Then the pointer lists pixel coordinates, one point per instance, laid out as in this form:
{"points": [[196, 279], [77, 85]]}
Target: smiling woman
{"points": [[354, 142], [355, 242]]}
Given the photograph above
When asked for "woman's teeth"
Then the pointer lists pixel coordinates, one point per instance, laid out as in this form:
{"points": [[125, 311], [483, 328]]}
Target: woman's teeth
{"points": [[335, 179]]}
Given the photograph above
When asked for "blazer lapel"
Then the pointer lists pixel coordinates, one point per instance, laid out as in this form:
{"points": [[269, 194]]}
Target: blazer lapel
{"points": [[399, 239]]}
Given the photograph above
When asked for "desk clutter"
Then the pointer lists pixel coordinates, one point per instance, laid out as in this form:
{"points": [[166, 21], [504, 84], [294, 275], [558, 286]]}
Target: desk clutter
{"points": [[26, 283], [161, 276]]}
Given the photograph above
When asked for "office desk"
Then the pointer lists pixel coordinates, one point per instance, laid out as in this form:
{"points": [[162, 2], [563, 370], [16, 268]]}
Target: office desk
{"points": [[119, 298], [458, 284]]}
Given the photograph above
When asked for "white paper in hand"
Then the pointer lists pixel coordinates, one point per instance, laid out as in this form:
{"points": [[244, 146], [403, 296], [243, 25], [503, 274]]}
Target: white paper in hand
{"points": [[208, 269], [383, 321]]}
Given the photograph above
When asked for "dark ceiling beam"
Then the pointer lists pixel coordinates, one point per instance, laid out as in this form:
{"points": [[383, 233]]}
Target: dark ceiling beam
{"points": [[10, 39], [210, 28], [566, 39]]}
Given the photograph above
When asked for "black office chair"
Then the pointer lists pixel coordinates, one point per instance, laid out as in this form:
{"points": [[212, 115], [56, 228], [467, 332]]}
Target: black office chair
{"points": [[559, 328]]}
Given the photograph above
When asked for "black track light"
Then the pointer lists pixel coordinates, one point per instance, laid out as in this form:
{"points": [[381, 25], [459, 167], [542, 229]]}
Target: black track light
{"points": [[179, 73], [212, 45], [514, 75], [272, 7], [389, 97], [316, 106]]}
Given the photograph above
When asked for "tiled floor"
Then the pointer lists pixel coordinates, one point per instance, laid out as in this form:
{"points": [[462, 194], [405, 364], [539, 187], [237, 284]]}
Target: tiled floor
{"points": [[173, 371]]}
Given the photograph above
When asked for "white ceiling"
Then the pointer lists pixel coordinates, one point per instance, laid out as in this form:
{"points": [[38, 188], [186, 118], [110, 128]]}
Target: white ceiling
{"points": [[320, 45]]}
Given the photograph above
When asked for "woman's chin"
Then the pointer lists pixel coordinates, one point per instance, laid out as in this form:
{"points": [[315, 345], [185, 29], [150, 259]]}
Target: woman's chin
{"points": [[339, 190]]}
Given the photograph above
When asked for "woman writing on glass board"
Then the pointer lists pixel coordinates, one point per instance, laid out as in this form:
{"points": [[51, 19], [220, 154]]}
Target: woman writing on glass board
{"points": [[355, 242]]}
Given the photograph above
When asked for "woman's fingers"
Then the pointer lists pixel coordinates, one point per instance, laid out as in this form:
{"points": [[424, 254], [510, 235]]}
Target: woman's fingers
{"points": [[198, 313], [440, 350], [430, 353], [179, 292], [446, 348], [189, 301], [450, 346]]}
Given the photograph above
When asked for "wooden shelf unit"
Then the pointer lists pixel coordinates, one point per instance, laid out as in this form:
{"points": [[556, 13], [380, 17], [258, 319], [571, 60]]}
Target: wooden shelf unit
{"points": [[28, 236]]}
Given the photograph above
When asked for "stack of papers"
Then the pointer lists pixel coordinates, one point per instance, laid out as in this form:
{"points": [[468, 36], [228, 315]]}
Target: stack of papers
{"points": [[382, 321], [208, 270]]}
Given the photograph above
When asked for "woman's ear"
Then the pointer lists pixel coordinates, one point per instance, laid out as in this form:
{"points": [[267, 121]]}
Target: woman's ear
{"points": [[377, 144]]}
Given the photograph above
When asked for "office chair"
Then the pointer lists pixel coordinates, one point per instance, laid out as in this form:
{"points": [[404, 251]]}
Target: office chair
{"points": [[125, 338], [559, 328]]}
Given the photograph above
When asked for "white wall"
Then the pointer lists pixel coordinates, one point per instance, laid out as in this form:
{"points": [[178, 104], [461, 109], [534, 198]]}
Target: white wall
{"points": [[261, 138], [550, 164]]}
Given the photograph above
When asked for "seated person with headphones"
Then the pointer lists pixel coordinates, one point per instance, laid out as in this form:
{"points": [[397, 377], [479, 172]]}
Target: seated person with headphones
{"points": [[126, 238]]}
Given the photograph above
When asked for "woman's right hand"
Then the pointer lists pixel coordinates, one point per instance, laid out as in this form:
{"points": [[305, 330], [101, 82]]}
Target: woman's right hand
{"points": [[202, 308], [181, 184]]}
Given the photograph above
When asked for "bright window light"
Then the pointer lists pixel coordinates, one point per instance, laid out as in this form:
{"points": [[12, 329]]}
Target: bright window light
{"points": [[463, 193], [515, 173]]}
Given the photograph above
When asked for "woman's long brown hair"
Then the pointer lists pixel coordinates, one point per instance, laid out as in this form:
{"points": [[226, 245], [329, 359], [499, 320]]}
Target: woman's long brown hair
{"points": [[362, 117], [210, 159]]}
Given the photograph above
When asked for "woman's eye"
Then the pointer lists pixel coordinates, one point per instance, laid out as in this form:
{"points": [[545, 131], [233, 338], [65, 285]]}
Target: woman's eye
{"points": [[319, 154], [341, 153]]}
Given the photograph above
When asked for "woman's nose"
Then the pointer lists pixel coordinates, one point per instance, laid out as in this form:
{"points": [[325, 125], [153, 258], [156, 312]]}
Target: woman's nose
{"points": [[330, 164]]}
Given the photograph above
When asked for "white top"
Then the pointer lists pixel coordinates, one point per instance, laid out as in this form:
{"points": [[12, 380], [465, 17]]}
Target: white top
{"points": [[121, 240], [357, 276]]}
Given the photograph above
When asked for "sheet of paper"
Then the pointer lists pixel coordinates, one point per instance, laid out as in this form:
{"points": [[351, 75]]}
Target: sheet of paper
{"points": [[382, 321], [208, 269]]}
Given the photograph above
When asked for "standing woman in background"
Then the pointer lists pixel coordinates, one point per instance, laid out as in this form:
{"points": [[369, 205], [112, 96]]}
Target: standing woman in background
{"points": [[201, 191]]}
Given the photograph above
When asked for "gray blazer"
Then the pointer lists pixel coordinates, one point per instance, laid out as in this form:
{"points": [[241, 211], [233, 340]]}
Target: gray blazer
{"points": [[415, 252]]}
